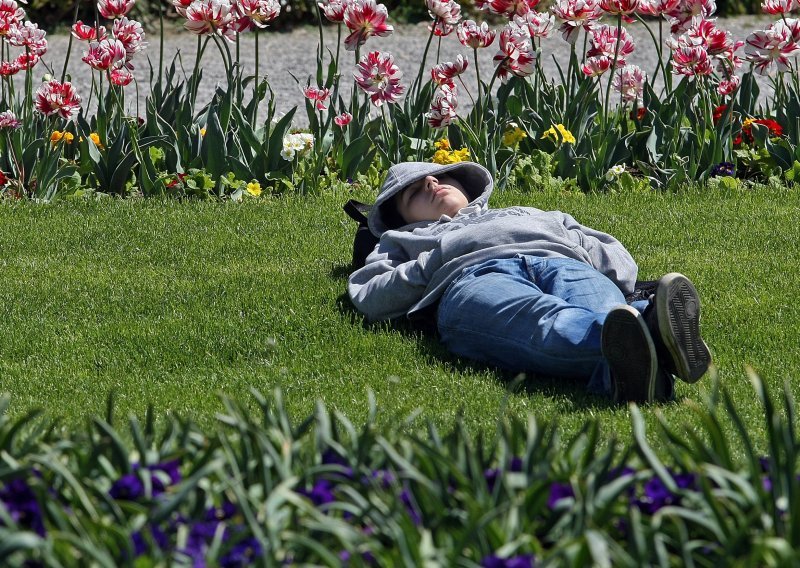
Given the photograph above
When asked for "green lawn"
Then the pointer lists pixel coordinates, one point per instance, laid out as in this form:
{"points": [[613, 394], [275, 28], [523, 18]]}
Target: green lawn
{"points": [[169, 304]]}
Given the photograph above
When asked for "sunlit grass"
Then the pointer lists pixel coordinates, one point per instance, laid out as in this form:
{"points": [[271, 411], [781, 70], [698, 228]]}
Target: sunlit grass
{"points": [[168, 304]]}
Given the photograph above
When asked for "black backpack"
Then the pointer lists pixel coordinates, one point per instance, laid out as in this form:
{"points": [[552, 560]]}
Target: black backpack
{"points": [[364, 243]]}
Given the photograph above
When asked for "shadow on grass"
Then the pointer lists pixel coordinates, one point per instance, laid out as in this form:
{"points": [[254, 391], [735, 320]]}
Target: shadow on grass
{"points": [[571, 393]]}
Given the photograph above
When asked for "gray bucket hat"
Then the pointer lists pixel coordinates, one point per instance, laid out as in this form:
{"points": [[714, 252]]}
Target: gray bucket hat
{"points": [[475, 178]]}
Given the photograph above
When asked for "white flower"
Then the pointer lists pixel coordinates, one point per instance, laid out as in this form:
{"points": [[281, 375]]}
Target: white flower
{"points": [[298, 143], [614, 172]]}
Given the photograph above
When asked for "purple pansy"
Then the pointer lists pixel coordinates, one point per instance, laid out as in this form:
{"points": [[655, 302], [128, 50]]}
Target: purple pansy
{"points": [[332, 457], [243, 553], [22, 506], [657, 495], [321, 493], [128, 487], [221, 513], [171, 468], [519, 561], [723, 169], [559, 491]]}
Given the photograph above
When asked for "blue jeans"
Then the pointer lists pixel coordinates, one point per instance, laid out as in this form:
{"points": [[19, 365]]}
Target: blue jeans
{"points": [[530, 313]]}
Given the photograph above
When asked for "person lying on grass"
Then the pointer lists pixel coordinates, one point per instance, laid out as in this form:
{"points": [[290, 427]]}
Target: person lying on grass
{"points": [[524, 289]]}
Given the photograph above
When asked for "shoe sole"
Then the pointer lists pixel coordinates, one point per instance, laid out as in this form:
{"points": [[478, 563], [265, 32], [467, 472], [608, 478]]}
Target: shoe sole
{"points": [[631, 354], [678, 311]]}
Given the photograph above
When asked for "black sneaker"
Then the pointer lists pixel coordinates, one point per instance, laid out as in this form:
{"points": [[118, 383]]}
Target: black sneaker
{"points": [[631, 356], [674, 321]]}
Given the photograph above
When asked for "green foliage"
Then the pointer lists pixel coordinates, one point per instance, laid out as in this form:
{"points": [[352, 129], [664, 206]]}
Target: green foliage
{"points": [[263, 488]]}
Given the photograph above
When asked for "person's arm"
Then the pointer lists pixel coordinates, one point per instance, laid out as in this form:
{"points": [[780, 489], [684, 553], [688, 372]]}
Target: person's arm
{"points": [[607, 254], [389, 284]]}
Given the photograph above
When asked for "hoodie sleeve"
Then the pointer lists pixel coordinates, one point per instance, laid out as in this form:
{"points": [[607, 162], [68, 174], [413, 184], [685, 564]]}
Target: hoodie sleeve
{"points": [[606, 253], [390, 283]]}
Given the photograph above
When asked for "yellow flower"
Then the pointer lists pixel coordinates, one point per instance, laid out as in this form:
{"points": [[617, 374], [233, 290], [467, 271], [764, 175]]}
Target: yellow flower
{"points": [[96, 139], [442, 144], [57, 136], [559, 134], [445, 157], [254, 188], [513, 135], [203, 132], [441, 157], [460, 155], [747, 122]]}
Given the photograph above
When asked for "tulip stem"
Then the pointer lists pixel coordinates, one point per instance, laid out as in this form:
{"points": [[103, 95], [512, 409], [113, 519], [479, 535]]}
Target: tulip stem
{"points": [[418, 81], [69, 45]]}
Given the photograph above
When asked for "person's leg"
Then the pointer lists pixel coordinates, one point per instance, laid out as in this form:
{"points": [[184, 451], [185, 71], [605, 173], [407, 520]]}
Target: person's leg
{"points": [[540, 314]]}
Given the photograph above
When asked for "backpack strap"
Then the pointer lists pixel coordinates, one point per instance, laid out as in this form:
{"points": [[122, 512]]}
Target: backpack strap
{"points": [[364, 241], [357, 211]]}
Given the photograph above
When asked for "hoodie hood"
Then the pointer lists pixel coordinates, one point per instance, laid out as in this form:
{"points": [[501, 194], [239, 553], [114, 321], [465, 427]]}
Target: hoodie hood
{"points": [[476, 179]]}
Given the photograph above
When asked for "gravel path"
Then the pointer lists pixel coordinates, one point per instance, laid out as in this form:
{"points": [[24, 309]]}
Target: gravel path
{"points": [[287, 53]]}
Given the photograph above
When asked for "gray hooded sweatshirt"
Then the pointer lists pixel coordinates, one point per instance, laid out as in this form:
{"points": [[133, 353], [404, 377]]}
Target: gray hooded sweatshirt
{"points": [[412, 265]]}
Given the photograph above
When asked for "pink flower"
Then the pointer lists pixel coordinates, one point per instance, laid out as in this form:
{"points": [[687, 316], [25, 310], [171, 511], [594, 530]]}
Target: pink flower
{"points": [[443, 106], [8, 68], [54, 97], [728, 86], [85, 32], [619, 7], [181, 6], [605, 40], [681, 17], [769, 50], [596, 66], [473, 35], [111, 9], [778, 6], [26, 60], [121, 77], [131, 35], [10, 15], [105, 55], [8, 120], [343, 119], [446, 72], [378, 76], [447, 11], [657, 8], [538, 24], [576, 14], [706, 33], [516, 55], [317, 95], [29, 36], [629, 82], [259, 12], [364, 19], [208, 17], [691, 61], [334, 10], [510, 8]]}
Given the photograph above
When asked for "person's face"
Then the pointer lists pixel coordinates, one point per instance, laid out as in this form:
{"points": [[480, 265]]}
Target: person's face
{"points": [[430, 198]]}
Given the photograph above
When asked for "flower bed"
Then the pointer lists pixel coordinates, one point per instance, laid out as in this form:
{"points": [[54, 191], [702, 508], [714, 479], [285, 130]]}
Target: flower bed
{"points": [[601, 118], [262, 489]]}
